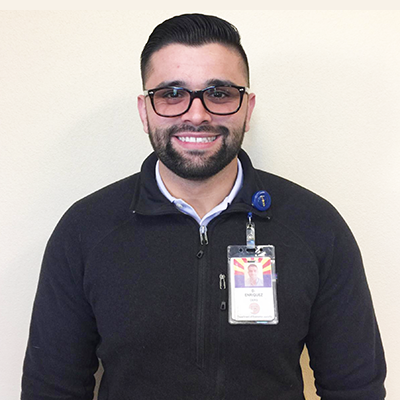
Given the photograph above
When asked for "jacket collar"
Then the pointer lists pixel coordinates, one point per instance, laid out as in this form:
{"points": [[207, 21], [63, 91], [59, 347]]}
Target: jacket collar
{"points": [[148, 200]]}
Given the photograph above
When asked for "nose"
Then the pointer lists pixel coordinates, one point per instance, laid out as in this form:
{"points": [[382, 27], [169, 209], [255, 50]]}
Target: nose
{"points": [[197, 114]]}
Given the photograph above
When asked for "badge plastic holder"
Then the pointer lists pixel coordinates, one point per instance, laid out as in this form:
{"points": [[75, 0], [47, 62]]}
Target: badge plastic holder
{"points": [[252, 283]]}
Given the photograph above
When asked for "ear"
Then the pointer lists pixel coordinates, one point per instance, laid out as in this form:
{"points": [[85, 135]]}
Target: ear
{"points": [[141, 104], [251, 102]]}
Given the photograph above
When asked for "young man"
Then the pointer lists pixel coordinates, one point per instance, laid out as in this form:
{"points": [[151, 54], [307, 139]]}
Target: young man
{"points": [[135, 274], [254, 279]]}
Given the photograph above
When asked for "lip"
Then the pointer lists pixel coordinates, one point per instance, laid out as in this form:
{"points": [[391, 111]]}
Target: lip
{"points": [[196, 141]]}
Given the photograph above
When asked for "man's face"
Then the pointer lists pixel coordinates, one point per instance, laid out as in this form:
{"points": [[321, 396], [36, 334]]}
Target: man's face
{"points": [[253, 272], [197, 144]]}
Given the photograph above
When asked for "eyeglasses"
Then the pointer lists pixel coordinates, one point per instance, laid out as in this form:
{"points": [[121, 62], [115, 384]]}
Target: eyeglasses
{"points": [[172, 101]]}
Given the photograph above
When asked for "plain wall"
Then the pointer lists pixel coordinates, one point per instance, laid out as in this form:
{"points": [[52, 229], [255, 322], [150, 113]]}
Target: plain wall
{"points": [[327, 117]]}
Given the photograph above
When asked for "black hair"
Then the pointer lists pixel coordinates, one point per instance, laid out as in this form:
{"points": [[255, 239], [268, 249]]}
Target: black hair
{"points": [[191, 30]]}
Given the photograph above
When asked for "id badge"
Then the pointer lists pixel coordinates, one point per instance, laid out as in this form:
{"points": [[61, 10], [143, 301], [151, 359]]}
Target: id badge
{"points": [[252, 285]]}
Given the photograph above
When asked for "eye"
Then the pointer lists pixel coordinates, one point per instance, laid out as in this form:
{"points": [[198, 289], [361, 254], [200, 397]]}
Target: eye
{"points": [[170, 96], [171, 93], [222, 94], [218, 93]]}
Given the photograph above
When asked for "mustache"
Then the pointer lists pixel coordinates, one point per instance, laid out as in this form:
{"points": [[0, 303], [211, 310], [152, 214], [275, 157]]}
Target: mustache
{"points": [[219, 129]]}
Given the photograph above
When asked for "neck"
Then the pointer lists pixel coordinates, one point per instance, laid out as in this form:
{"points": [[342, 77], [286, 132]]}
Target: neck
{"points": [[203, 195]]}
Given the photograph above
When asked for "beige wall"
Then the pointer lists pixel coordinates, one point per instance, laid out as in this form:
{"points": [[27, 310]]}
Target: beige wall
{"points": [[328, 117]]}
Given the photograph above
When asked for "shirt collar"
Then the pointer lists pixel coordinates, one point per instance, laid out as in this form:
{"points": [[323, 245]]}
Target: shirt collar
{"points": [[188, 209]]}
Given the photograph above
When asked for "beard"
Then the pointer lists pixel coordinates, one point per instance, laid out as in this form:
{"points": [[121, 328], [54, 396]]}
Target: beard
{"points": [[195, 164]]}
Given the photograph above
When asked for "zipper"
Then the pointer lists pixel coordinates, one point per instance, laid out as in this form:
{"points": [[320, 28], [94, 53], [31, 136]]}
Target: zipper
{"points": [[203, 235], [201, 299], [222, 286], [221, 334], [200, 317]]}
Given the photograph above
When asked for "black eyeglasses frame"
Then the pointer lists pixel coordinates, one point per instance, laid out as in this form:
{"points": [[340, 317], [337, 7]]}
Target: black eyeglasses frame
{"points": [[196, 94]]}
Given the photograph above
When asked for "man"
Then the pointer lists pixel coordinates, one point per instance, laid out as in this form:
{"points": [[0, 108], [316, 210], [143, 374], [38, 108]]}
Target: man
{"points": [[253, 279], [135, 273]]}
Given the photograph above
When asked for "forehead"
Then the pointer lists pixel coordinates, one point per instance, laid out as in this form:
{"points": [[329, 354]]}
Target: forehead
{"points": [[194, 66]]}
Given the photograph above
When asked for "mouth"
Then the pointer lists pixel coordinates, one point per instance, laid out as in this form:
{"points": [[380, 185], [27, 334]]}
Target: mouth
{"points": [[196, 139]]}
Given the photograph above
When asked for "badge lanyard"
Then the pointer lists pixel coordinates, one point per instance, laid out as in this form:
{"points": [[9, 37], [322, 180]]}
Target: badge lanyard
{"points": [[252, 281]]}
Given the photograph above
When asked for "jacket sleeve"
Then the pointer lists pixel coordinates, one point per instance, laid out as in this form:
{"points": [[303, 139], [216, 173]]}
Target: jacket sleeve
{"points": [[344, 343], [60, 360]]}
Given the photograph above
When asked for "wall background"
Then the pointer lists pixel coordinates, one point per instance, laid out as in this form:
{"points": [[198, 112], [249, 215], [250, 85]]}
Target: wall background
{"points": [[328, 118]]}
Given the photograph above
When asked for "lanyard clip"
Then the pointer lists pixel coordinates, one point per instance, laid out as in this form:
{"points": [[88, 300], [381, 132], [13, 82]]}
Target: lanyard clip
{"points": [[250, 233]]}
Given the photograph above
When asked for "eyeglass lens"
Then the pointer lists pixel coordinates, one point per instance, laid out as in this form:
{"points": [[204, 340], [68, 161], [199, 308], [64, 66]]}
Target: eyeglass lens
{"points": [[175, 101]]}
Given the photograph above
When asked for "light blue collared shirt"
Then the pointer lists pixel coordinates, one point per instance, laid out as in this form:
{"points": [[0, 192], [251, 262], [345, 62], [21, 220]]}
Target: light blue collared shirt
{"points": [[186, 208]]}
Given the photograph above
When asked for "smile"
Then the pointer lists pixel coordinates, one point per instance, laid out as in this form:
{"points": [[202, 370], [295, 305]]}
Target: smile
{"points": [[194, 139]]}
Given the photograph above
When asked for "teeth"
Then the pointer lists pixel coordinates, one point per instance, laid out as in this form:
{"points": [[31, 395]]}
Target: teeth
{"points": [[193, 139]]}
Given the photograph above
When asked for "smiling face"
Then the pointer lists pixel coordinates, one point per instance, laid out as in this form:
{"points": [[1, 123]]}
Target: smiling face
{"points": [[197, 144], [252, 269]]}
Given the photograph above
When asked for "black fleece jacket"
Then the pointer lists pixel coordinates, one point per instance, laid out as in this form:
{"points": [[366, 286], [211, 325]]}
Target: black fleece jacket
{"points": [[125, 279]]}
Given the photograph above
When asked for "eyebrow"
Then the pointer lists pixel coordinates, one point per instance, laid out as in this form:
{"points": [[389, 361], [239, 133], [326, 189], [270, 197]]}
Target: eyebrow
{"points": [[210, 82], [220, 82], [170, 83]]}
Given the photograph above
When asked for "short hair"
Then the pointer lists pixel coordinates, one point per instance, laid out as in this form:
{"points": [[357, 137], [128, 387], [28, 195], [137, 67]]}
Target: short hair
{"points": [[252, 265], [191, 30]]}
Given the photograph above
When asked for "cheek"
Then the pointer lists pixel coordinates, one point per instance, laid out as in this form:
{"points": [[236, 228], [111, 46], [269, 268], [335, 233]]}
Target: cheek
{"points": [[161, 123]]}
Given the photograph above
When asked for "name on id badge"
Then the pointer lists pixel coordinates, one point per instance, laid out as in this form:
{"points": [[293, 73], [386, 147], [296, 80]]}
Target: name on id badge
{"points": [[252, 285]]}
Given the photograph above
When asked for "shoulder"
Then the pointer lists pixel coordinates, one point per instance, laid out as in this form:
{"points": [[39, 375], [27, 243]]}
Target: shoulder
{"points": [[111, 198], [304, 214], [292, 201], [288, 199], [112, 201], [91, 218]]}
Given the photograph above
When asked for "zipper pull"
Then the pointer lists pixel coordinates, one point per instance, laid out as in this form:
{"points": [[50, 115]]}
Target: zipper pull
{"points": [[222, 281], [203, 235]]}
